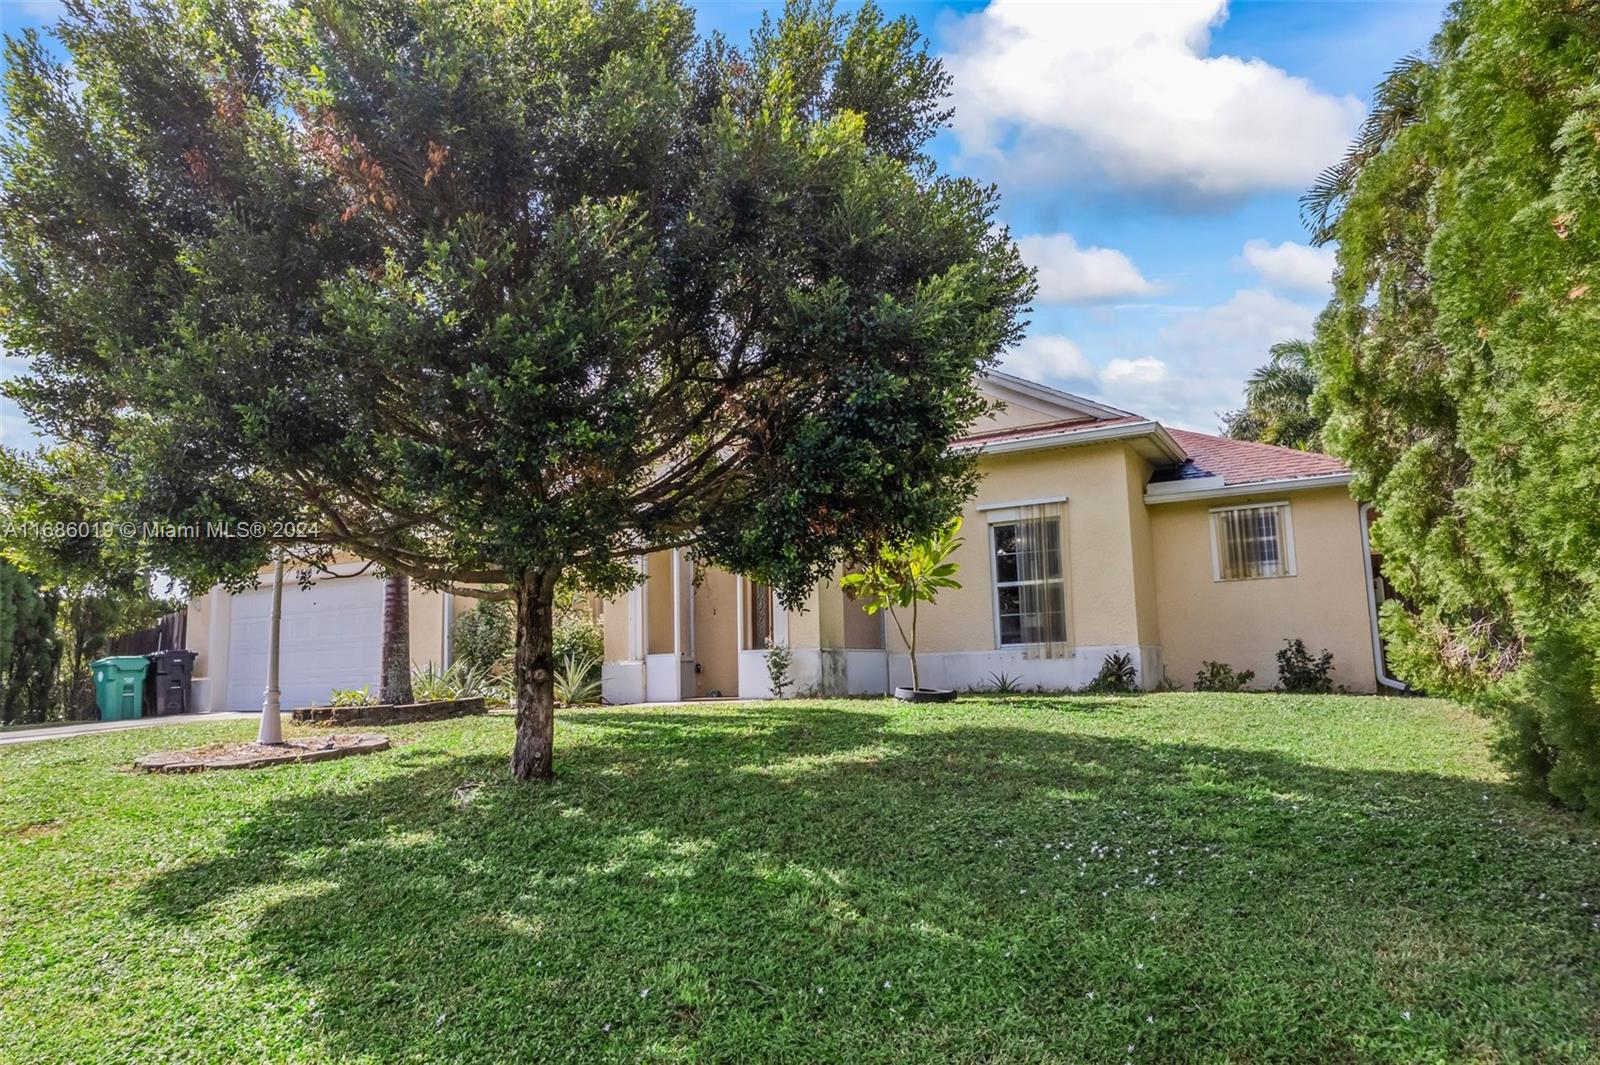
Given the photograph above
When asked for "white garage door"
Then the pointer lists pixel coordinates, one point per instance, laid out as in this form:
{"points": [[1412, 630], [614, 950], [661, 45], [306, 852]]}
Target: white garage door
{"points": [[330, 639]]}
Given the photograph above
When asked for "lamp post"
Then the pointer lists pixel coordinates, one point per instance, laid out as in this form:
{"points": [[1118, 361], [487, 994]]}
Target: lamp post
{"points": [[271, 719]]}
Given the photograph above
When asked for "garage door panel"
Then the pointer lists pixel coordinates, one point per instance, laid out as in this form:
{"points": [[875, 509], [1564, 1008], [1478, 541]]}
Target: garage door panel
{"points": [[330, 638]]}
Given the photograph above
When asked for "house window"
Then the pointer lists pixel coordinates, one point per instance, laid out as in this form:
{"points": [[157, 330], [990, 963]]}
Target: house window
{"points": [[758, 616], [1251, 542], [1030, 598]]}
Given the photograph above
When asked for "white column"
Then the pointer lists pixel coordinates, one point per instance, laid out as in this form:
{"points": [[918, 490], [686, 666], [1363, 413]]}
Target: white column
{"points": [[271, 730]]}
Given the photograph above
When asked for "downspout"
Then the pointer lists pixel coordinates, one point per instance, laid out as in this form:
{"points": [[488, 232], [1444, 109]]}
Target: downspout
{"points": [[449, 641], [1372, 602]]}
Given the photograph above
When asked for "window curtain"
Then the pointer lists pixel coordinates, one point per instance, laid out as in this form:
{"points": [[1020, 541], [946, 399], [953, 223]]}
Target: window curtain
{"points": [[1251, 542], [1041, 565]]}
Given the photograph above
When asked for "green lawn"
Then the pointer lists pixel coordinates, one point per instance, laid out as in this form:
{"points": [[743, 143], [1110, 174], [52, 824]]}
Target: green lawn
{"points": [[1194, 877]]}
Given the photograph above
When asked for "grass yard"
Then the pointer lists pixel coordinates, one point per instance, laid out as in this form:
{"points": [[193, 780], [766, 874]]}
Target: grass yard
{"points": [[1171, 877]]}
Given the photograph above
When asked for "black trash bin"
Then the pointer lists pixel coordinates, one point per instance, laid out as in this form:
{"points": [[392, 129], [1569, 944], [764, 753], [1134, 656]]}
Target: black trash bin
{"points": [[167, 681]]}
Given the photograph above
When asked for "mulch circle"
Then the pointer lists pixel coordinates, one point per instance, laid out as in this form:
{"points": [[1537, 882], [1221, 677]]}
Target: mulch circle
{"points": [[262, 755]]}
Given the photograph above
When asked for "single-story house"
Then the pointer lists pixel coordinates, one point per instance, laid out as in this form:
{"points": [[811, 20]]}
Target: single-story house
{"points": [[1094, 531]]}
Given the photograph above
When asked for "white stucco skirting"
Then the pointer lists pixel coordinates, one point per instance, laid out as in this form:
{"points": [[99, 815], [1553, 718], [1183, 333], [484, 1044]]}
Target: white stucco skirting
{"points": [[837, 672], [977, 670]]}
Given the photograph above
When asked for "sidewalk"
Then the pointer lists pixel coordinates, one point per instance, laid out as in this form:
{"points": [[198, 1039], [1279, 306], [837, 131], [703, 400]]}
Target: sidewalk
{"points": [[90, 728]]}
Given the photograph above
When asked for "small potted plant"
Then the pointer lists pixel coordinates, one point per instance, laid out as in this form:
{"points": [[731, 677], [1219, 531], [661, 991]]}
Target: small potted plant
{"points": [[903, 575]]}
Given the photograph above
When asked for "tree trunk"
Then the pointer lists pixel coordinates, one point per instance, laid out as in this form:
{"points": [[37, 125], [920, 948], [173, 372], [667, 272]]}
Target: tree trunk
{"points": [[534, 672], [916, 682], [394, 685]]}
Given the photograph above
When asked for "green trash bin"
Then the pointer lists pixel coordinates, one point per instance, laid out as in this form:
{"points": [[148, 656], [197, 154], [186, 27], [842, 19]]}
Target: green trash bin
{"points": [[119, 686]]}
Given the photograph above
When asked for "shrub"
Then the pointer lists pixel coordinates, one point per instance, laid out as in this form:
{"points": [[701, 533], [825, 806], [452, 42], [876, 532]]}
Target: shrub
{"points": [[779, 659], [1004, 684], [577, 680], [1220, 677], [482, 638], [578, 634], [1117, 676], [430, 684], [1299, 671], [350, 697]]}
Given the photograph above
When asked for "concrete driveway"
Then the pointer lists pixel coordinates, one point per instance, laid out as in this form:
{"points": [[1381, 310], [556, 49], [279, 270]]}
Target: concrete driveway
{"points": [[90, 728]]}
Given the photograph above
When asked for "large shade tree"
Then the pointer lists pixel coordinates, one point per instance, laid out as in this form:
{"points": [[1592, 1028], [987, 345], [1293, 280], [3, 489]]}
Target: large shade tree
{"points": [[487, 291], [1458, 362]]}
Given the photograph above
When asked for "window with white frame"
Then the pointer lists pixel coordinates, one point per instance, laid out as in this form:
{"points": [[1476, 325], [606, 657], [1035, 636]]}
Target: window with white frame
{"points": [[1252, 542], [1030, 596]]}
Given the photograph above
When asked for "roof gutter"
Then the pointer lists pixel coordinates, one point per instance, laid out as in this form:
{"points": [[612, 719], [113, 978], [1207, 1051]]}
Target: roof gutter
{"points": [[1160, 438], [1217, 488]]}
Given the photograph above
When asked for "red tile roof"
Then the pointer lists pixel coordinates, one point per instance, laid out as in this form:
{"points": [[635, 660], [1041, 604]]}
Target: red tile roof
{"points": [[1244, 462], [1031, 432]]}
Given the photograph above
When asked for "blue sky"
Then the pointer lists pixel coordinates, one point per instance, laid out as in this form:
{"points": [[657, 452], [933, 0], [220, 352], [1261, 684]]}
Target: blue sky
{"points": [[1150, 156]]}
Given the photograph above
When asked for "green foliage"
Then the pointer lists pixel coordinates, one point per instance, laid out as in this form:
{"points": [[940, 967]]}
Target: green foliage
{"points": [[1278, 401], [430, 683], [28, 647], [1003, 684], [481, 638], [1117, 676], [1220, 677], [577, 633], [1458, 369], [350, 697], [487, 293], [779, 661], [577, 677], [904, 573], [1301, 671]]}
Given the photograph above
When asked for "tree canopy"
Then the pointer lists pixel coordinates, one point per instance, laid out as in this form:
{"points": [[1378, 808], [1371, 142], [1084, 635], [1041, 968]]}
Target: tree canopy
{"points": [[1459, 368], [487, 291]]}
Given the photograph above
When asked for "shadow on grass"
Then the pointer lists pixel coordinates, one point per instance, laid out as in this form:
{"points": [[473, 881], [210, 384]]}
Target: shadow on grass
{"points": [[814, 884]]}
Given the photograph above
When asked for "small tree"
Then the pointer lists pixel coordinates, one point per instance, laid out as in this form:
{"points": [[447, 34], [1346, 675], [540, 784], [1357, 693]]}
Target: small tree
{"points": [[904, 574], [487, 293]]}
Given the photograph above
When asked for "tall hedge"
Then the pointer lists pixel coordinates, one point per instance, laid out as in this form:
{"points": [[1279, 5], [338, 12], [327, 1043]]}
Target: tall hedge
{"points": [[28, 647], [1460, 366]]}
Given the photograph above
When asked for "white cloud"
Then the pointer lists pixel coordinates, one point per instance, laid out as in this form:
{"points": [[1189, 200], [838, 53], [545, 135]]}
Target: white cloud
{"points": [[1048, 357], [1070, 274], [1235, 335], [1197, 371], [1290, 265], [1127, 89], [1145, 371]]}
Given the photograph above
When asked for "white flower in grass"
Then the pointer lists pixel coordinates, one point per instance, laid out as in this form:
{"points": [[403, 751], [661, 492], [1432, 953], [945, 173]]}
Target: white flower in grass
{"points": [[645, 993], [887, 984], [1090, 996], [1405, 1015], [1148, 1019], [1139, 965], [606, 1027]]}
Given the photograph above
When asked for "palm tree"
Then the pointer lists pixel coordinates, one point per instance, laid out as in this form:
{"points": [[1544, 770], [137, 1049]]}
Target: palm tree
{"points": [[394, 684], [1277, 401]]}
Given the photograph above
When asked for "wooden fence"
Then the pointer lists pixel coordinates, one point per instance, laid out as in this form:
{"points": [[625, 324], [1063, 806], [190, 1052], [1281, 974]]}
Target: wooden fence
{"points": [[166, 634]]}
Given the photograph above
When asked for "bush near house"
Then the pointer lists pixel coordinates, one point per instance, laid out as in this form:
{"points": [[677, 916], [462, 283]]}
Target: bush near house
{"points": [[1117, 676], [1301, 671], [1220, 677]]}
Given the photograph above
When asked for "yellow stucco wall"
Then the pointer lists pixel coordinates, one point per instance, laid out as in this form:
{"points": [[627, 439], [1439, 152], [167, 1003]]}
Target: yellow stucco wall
{"points": [[1014, 415], [1244, 623], [1103, 606]]}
